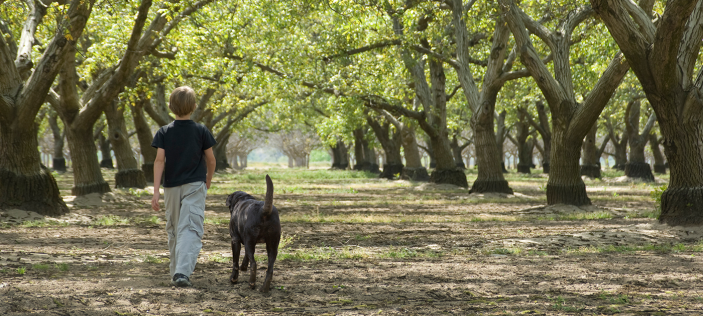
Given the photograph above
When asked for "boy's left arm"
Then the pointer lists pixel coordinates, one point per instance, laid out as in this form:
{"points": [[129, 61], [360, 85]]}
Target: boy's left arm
{"points": [[211, 163]]}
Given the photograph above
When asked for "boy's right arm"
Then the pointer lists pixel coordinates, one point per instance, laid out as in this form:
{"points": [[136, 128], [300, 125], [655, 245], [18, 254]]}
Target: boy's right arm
{"points": [[158, 171]]}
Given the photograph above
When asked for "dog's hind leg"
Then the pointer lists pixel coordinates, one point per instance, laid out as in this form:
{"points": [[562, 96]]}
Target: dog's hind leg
{"points": [[245, 264], [236, 249], [249, 248], [272, 252]]}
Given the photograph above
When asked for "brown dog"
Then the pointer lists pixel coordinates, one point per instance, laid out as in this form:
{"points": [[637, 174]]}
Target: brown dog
{"points": [[253, 222]]}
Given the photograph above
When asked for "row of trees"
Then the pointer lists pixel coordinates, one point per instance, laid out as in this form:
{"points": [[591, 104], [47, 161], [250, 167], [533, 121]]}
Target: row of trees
{"points": [[449, 73]]}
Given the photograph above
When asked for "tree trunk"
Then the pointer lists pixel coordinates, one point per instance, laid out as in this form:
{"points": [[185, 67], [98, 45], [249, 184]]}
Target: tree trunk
{"points": [[620, 153], [682, 201], [128, 175], [524, 147], [145, 137], [488, 157], [546, 133], [500, 135], [636, 166], [24, 183], [220, 152], [456, 150], [106, 152], [565, 185], [414, 170], [589, 157], [243, 159], [390, 142], [59, 162], [525, 156], [365, 158], [87, 177], [659, 165], [340, 156], [430, 153]]}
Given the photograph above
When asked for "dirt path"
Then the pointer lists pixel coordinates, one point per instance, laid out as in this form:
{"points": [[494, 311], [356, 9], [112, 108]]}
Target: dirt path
{"points": [[414, 252]]}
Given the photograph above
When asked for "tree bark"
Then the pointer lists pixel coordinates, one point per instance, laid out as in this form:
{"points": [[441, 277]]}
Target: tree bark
{"points": [[390, 142], [659, 165], [220, 151], [106, 152], [500, 135], [636, 166], [145, 137], [490, 176], [340, 156], [365, 158], [59, 162], [128, 175], [589, 155], [457, 150], [24, 183], [87, 177], [524, 147]]}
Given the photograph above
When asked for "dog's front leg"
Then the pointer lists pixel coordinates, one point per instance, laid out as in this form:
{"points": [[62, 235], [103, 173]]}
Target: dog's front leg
{"points": [[249, 248], [236, 249]]}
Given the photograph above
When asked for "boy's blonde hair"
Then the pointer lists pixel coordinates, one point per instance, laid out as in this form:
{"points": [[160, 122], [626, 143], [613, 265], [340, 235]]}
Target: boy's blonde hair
{"points": [[182, 101]]}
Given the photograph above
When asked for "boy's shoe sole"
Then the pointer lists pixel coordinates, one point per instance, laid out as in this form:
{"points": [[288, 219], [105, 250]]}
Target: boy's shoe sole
{"points": [[181, 281]]}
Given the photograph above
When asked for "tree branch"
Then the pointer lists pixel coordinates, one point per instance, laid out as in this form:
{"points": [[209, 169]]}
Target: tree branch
{"points": [[587, 114], [360, 50], [37, 86], [667, 40], [690, 46], [441, 57], [642, 19]]}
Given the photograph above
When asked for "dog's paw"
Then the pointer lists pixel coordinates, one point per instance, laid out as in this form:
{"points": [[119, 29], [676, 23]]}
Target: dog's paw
{"points": [[264, 289], [233, 280], [252, 285]]}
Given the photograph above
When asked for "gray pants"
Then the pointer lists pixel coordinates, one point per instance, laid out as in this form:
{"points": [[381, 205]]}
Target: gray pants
{"points": [[185, 214]]}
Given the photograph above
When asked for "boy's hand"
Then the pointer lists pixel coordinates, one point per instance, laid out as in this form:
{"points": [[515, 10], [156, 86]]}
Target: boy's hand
{"points": [[155, 201], [207, 184]]}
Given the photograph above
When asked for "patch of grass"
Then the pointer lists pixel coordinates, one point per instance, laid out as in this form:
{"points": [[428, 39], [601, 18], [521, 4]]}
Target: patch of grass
{"points": [[43, 223], [219, 258], [40, 267], [138, 192], [217, 221], [152, 259], [577, 216], [663, 248], [559, 304], [62, 267], [21, 270], [147, 221], [110, 220], [506, 251], [286, 241], [360, 237]]}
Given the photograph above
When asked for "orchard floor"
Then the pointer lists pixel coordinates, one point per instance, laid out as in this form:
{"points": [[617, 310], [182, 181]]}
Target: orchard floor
{"points": [[357, 245]]}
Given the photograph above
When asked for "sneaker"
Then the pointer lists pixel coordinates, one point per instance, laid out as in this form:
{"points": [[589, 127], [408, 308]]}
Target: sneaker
{"points": [[180, 280]]}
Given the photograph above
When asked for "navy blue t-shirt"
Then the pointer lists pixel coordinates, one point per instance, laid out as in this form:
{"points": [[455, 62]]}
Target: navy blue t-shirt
{"points": [[184, 143]]}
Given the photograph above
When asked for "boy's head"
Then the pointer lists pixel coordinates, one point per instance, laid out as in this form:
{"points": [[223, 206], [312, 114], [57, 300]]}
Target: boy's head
{"points": [[182, 101]]}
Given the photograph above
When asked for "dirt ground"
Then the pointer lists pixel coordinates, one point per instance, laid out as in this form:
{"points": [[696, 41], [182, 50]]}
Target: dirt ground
{"points": [[363, 246]]}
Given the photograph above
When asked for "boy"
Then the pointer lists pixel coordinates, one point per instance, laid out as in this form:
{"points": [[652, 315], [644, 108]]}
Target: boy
{"points": [[184, 148]]}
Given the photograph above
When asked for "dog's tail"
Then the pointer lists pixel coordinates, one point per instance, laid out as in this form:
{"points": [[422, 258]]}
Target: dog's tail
{"points": [[268, 201]]}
